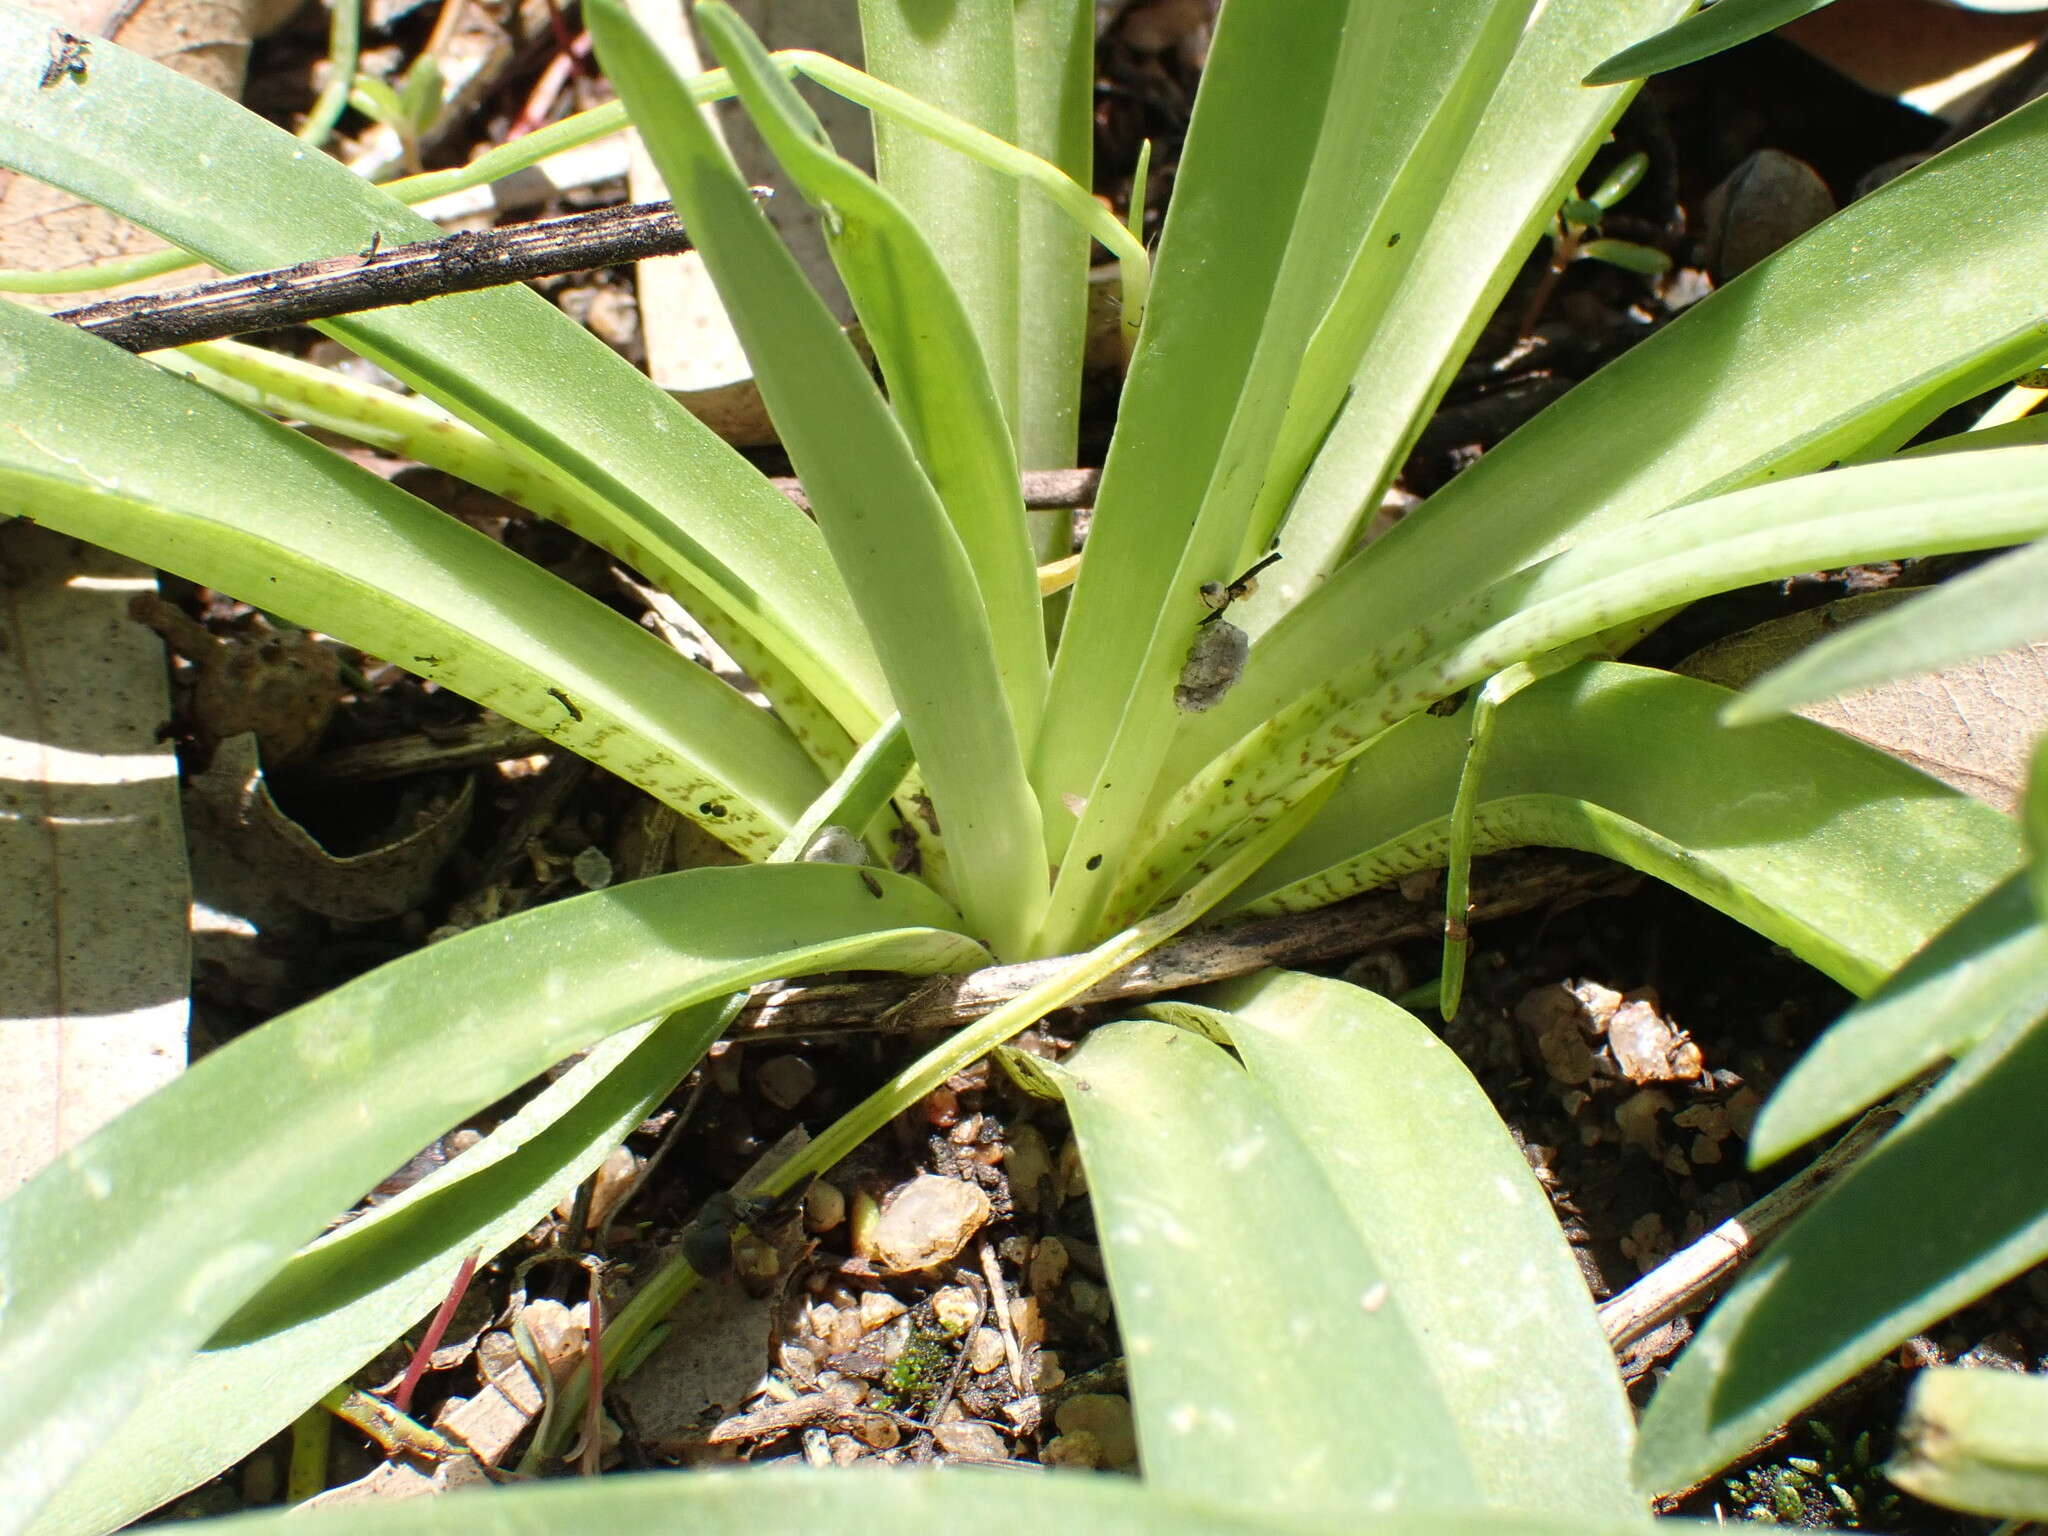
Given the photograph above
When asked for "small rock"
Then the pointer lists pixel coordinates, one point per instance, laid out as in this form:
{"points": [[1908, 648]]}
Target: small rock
{"points": [[824, 1207], [1648, 1242], [862, 1220], [798, 1363], [1555, 1016], [1637, 1117], [845, 1450], [955, 1309], [1767, 202], [1073, 1176], [1080, 1449], [1026, 1321], [1024, 1413], [927, 1222], [592, 868], [1089, 1299], [878, 1308], [1999, 1352], [1048, 1266], [1050, 1372], [1648, 1047], [984, 1351], [971, 1440], [1028, 1162], [786, 1081], [1600, 1003], [1711, 1123], [877, 1430], [1104, 1418]]}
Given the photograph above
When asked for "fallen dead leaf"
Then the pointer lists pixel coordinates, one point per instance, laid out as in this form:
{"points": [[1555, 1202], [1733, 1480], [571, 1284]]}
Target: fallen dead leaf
{"points": [[1971, 725]]}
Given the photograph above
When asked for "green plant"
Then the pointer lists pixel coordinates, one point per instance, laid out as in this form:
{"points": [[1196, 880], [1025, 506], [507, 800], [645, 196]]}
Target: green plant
{"points": [[1361, 182]]}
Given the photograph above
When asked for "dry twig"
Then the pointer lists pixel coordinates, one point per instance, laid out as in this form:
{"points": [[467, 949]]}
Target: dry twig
{"points": [[1690, 1278], [1510, 883], [376, 278]]}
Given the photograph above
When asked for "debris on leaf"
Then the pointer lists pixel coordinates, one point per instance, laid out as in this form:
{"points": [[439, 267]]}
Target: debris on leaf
{"points": [[1215, 661]]}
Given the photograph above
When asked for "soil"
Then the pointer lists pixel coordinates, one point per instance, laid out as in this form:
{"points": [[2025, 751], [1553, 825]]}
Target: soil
{"points": [[1635, 1171]]}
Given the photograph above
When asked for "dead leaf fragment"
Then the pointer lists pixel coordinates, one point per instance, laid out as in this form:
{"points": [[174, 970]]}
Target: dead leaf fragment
{"points": [[1971, 725], [232, 802]]}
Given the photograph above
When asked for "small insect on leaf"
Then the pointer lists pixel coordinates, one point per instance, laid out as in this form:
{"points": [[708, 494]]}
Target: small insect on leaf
{"points": [[69, 57], [1215, 661], [1216, 596]]}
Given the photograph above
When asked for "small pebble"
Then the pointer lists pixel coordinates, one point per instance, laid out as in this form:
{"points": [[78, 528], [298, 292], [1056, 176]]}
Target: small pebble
{"points": [[878, 1308], [1765, 203], [955, 1308], [1026, 1321], [824, 1207], [592, 869], [926, 1222], [1027, 1162], [786, 1081], [1073, 1176], [1048, 1266], [798, 1363], [971, 1440], [1080, 1449], [1050, 1372], [1089, 1299], [877, 1430], [1104, 1418], [984, 1351]]}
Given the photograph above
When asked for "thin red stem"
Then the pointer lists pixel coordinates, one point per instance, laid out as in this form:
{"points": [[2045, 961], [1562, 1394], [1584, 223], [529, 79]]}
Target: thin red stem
{"points": [[417, 1366]]}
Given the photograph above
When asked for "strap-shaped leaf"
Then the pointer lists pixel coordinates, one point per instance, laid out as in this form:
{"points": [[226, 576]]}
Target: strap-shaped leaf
{"points": [[106, 447], [1976, 1440], [208, 175], [938, 382], [1426, 1173], [1985, 972], [1630, 572], [1850, 1279], [1303, 192], [1247, 158], [1243, 1292], [1723, 26], [1990, 609], [1633, 763], [129, 1251], [1906, 302], [887, 531], [338, 1303], [905, 1503], [1539, 129]]}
